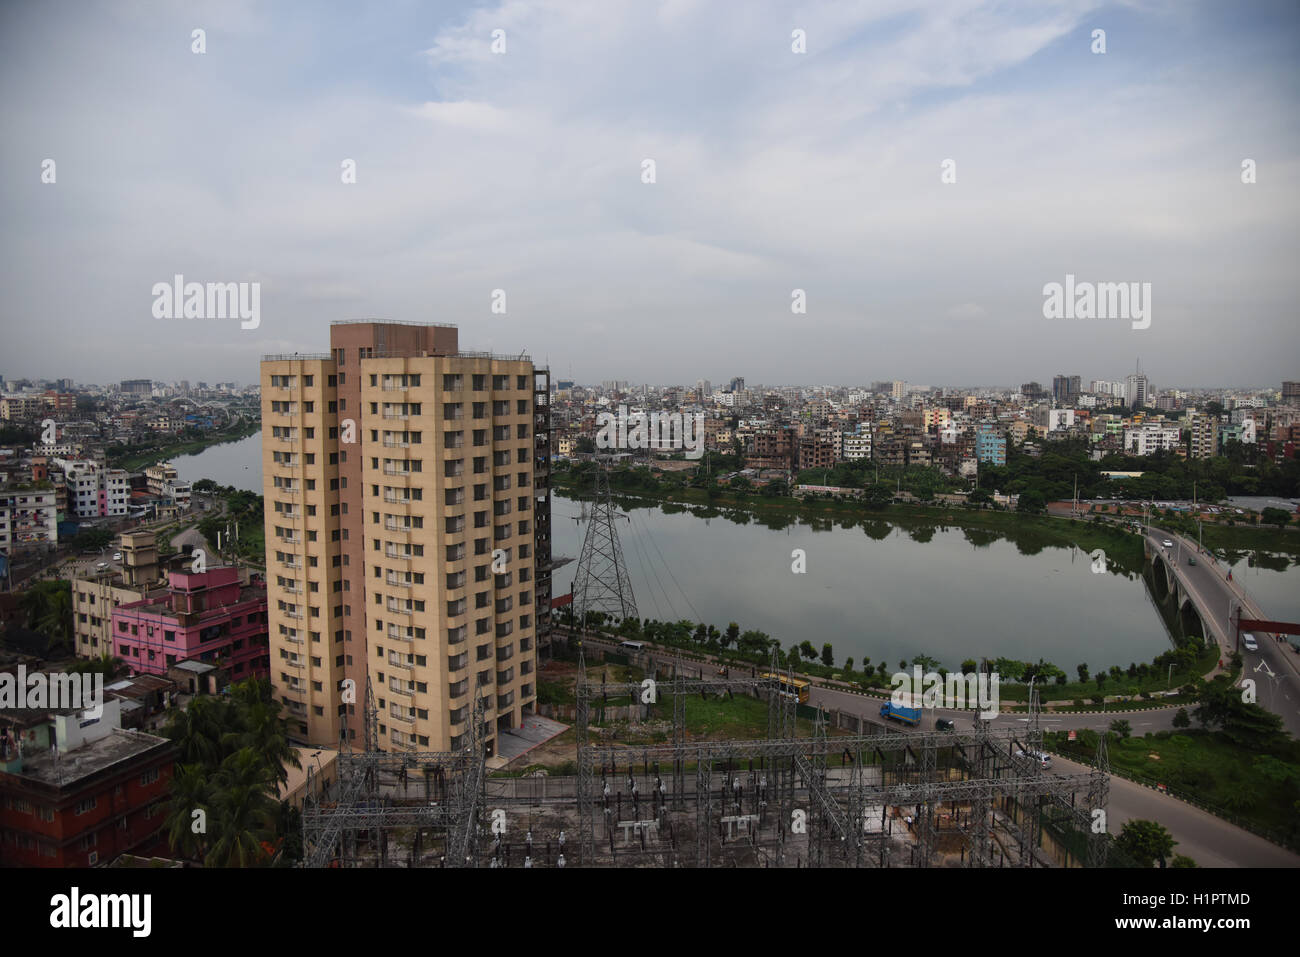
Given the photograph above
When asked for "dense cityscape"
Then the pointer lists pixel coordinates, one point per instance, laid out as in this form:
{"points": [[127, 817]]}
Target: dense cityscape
{"points": [[555, 436]]}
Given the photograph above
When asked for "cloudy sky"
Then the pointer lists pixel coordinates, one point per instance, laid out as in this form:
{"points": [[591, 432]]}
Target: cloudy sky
{"points": [[774, 171]]}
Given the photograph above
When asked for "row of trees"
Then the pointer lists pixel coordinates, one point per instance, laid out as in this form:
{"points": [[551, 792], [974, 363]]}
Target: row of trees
{"points": [[232, 755], [1051, 476]]}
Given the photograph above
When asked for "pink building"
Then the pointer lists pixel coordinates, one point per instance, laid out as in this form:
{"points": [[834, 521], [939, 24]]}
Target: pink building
{"points": [[207, 616]]}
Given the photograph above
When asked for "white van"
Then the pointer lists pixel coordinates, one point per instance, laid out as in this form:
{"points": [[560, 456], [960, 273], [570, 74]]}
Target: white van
{"points": [[1248, 640], [632, 645]]}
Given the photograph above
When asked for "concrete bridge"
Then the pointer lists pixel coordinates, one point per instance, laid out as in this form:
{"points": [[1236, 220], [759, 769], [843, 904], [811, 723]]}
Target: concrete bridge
{"points": [[1220, 604]]}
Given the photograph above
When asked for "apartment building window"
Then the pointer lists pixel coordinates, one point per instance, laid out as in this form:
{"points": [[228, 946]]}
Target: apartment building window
{"points": [[500, 383], [480, 410], [521, 383], [452, 382], [478, 383]]}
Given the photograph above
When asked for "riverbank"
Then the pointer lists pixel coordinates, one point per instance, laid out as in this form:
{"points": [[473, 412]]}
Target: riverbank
{"points": [[1030, 533], [139, 458]]}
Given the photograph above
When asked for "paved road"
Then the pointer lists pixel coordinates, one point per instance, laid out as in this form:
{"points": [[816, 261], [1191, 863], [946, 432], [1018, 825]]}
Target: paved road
{"points": [[1206, 839]]}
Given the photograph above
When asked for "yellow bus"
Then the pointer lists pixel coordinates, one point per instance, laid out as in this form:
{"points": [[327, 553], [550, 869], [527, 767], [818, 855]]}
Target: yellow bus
{"points": [[796, 688]]}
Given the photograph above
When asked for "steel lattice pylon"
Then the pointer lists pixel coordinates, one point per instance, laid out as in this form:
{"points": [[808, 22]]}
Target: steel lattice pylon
{"points": [[602, 582]]}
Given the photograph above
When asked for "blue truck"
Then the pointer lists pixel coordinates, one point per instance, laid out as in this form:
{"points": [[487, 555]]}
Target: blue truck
{"points": [[910, 716]]}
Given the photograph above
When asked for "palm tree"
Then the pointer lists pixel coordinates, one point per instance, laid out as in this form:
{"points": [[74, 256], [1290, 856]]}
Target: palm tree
{"points": [[245, 812], [263, 730], [196, 732], [190, 792]]}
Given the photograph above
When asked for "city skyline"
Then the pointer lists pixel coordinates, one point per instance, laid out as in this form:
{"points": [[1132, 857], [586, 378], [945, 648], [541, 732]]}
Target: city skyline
{"points": [[775, 171]]}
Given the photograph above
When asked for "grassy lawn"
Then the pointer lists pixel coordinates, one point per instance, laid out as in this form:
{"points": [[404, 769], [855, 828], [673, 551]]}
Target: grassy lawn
{"points": [[1132, 687], [1209, 769]]}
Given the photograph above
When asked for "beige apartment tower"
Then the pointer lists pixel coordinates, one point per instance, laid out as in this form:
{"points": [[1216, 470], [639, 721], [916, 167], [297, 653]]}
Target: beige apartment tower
{"points": [[407, 492]]}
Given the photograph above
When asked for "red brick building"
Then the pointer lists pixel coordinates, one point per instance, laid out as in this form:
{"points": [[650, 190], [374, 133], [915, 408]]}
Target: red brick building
{"points": [[102, 792]]}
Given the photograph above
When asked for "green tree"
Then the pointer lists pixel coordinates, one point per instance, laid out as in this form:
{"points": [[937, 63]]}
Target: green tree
{"points": [[828, 655], [1146, 842], [1275, 516], [244, 810], [1121, 728], [1181, 720], [1082, 671]]}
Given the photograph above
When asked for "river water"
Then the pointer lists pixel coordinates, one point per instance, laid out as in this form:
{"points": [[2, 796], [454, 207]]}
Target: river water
{"points": [[873, 589]]}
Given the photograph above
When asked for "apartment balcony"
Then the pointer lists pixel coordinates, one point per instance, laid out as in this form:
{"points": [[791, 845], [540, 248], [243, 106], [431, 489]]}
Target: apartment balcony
{"points": [[291, 541], [392, 499], [397, 636], [395, 444], [291, 589], [402, 717], [292, 641], [402, 690], [397, 416], [394, 470], [396, 583], [394, 610], [296, 615], [396, 662], [390, 387], [395, 527]]}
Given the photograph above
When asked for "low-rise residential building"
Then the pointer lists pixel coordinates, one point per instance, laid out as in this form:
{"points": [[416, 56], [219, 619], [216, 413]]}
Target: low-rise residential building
{"points": [[1150, 437], [29, 518], [77, 790], [211, 616]]}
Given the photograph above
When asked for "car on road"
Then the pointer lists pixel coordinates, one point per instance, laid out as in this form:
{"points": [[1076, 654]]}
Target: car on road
{"points": [[1167, 543], [1191, 559], [1044, 759], [117, 556], [1248, 640], [943, 724]]}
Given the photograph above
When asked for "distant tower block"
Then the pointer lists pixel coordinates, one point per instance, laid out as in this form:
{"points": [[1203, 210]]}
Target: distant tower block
{"points": [[602, 583]]}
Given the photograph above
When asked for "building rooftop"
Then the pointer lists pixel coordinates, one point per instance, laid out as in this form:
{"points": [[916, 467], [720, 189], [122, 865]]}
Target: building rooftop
{"points": [[69, 767]]}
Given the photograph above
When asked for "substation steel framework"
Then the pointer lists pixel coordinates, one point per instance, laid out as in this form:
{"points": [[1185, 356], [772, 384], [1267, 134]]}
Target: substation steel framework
{"points": [[333, 821], [1003, 784]]}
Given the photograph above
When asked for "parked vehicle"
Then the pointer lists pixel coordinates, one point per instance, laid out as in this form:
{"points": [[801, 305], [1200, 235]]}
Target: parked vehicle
{"points": [[1248, 640]]}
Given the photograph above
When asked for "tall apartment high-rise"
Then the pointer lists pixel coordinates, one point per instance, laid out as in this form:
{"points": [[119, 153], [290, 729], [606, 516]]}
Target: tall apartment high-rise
{"points": [[1066, 388], [1138, 392], [407, 495]]}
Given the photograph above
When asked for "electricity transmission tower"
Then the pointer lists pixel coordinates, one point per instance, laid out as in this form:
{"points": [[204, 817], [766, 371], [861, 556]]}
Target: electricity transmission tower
{"points": [[602, 583]]}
